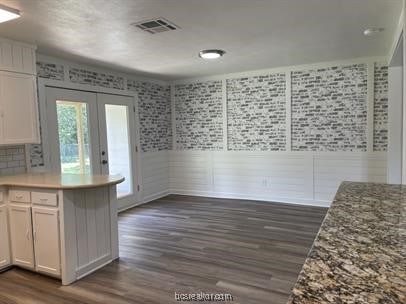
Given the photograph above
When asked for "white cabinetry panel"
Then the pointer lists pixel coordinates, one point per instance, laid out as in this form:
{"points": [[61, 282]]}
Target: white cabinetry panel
{"points": [[18, 109], [46, 240], [4, 238], [17, 57], [21, 236], [44, 198]]}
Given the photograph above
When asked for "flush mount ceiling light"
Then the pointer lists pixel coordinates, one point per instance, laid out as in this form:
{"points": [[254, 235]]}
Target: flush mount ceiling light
{"points": [[211, 54], [373, 31], [8, 13]]}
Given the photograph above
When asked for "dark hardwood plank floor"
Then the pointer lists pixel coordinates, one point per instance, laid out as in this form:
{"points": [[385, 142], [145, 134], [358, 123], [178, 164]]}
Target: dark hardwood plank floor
{"points": [[251, 250]]}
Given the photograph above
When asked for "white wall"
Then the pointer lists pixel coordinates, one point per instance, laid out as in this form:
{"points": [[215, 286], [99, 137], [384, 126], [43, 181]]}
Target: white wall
{"points": [[299, 177], [284, 176], [154, 175], [395, 113], [294, 177]]}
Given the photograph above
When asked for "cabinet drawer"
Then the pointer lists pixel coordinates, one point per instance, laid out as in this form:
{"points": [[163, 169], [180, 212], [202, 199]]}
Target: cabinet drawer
{"points": [[19, 196], [45, 199]]}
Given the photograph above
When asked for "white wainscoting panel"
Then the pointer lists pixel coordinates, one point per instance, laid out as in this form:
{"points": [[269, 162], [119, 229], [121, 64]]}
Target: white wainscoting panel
{"points": [[155, 175], [291, 177], [330, 170]]}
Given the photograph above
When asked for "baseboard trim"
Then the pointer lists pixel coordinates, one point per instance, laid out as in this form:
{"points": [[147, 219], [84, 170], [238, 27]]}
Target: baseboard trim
{"points": [[155, 196], [146, 199], [285, 200]]}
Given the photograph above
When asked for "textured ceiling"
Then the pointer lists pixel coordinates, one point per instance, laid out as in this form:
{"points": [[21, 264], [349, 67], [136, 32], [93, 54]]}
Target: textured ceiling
{"points": [[255, 34]]}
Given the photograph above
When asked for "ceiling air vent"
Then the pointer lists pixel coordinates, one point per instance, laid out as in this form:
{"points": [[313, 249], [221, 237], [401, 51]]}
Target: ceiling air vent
{"points": [[155, 26]]}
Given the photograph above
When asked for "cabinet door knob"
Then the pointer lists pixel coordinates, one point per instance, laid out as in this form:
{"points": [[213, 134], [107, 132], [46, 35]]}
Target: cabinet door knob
{"points": [[104, 162]]}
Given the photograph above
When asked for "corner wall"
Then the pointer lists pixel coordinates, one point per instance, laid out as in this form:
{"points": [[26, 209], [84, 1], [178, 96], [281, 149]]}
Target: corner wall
{"points": [[289, 135]]}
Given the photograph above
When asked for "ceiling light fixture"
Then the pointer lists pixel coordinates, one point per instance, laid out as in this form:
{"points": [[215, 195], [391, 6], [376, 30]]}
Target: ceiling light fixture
{"points": [[8, 13], [373, 31], [211, 54]]}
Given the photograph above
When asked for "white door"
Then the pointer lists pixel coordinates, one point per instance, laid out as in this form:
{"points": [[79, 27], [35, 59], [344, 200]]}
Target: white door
{"points": [[117, 143], [19, 109], [4, 238], [74, 142], [94, 133], [21, 236], [46, 240]]}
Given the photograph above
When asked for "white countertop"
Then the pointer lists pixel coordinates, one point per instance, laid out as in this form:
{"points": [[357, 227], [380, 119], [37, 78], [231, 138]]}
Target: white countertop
{"points": [[60, 181]]}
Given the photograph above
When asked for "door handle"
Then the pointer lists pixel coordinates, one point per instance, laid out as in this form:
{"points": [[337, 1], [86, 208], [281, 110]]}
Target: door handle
{"points": [[104, 162]]}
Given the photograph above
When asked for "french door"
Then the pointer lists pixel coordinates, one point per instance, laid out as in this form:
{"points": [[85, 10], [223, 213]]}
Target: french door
{"points": [[93, 133]]}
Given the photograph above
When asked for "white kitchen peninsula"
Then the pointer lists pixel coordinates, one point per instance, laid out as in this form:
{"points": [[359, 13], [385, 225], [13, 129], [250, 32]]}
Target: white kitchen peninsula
{"points": [[64, 225]]}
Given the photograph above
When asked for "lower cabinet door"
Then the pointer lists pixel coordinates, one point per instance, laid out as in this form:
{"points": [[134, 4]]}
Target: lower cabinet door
{"points": [[5, 259], [46, 240], [21, 236]]}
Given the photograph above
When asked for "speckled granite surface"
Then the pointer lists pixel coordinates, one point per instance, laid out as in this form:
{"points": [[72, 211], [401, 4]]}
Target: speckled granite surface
{"points": [[359, 255]]}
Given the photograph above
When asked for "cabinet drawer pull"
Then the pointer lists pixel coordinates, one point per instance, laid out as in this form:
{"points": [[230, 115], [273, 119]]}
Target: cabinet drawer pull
{"points": [[27, 234], [43, 199], [19, 196]]}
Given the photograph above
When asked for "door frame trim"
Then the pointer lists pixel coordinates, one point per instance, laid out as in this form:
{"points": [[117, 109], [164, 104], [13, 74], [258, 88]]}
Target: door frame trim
{"points": [[43, 83]]}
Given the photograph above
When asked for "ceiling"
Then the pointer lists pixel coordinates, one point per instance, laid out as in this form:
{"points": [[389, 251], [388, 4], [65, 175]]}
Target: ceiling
{"points": [[256, 34]]}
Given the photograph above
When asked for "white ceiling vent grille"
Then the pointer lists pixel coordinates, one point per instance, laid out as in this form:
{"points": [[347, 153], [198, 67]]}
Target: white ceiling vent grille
{"points": [[154, 26]]}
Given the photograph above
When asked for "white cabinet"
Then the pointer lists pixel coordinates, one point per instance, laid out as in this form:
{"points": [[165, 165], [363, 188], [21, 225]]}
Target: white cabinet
{"points": [[5, 259], [35, 236], [18, 109], [46, 240], [21, 236], [19, 123], [17, 57]]}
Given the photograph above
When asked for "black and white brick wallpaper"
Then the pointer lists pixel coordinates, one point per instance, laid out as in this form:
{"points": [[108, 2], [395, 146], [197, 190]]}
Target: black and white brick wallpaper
{"points": [[154, 110], [36, 155], [329, 109], [199, 116], [256, 113], [381, 107], [50, 70], [85, 76]]}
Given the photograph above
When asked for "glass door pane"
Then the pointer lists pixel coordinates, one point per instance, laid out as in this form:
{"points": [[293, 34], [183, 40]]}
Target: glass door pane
{"points": [[118, 146], [73, 133]]}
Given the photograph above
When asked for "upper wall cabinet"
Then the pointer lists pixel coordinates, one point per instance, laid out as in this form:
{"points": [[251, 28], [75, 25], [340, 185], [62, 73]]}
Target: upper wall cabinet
{"points": [[19, 123], [17, 57]]}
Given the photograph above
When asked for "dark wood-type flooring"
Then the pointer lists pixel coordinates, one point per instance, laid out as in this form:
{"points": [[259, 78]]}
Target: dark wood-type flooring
{"points": [[251, 250]]}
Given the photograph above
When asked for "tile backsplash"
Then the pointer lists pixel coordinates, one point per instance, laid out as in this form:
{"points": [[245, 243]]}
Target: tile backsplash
{"points": [[12, 160]]}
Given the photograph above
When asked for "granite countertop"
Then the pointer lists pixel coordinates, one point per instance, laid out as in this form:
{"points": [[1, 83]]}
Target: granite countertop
{"points": [[60, 181], [359, 255]]}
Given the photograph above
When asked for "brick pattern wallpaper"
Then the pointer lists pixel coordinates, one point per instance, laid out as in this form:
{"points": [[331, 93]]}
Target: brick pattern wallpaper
{"points": [[50, 70], [256, 113], [84, 76], [12, 160], [199, 121], [37, 156], [381, 107], [154, 110], [329, 109]]}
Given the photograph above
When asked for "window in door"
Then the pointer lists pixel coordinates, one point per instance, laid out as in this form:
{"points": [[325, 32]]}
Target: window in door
{"points": [[118, 146], [73, 131]]}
